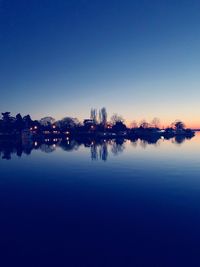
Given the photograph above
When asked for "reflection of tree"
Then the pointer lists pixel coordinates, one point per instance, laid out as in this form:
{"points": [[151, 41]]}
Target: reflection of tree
{"points": [[27, 150], [6, 155], [19, 150], [47, 148], [157, 143], [7, 149], [98, 147], [94, 152], [19, 153], [152, 139], [103, 151], [179, 139], [27, 147], [67, 145], [134, 143], [99, 151], [117, 148], [143, 144]]}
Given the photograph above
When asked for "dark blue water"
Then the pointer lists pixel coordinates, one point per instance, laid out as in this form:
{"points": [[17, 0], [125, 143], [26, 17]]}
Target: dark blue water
{"points": [[124, 204]]}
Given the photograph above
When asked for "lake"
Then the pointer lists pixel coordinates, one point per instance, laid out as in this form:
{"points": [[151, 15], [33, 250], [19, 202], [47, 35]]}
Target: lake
{"points": [[124, 203]]}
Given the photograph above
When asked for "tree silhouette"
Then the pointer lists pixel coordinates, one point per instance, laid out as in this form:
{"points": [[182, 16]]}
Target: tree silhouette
{"points": [[19, 123], [144, 124], [68, 123], [93, 115], [178, 125], [47, 121], [119, 126], [134, 124], [7, 122], [103, 116], [116, 118], [27, 121], [155, 123]]}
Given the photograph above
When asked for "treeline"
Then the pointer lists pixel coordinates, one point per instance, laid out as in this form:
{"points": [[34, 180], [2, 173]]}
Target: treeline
{"points": [[98, 122]]}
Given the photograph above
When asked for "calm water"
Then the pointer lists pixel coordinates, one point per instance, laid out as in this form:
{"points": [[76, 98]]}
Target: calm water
{"points": [[114, 204]]}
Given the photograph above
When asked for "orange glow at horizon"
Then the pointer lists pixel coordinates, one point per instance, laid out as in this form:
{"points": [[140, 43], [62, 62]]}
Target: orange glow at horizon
{"points": [[190, 120]]}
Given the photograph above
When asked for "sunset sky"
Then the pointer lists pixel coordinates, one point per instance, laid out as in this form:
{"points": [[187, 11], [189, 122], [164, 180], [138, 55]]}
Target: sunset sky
{"points": [[137, 58]]}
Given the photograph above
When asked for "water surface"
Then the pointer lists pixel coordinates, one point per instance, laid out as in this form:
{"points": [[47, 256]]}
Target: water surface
{"points": [[100, 204]]}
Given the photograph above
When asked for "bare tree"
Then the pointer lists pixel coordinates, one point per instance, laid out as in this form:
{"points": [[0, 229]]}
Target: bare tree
{"points": [[134, 124], [155, 122], [100, 116], [116, 118], [103, 116], [93, 114], [178, 125], [144, 124]]}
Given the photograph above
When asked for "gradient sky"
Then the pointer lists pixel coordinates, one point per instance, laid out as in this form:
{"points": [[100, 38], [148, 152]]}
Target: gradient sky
{"points": [[138, 58]]}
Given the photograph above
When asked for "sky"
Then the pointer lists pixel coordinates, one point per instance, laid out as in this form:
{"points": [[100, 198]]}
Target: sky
{"points": [[137, 58]]}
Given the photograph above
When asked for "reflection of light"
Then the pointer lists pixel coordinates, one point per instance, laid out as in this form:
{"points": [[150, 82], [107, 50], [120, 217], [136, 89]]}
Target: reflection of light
{"points": [[68, 142], [35, 127], [67, 138], [67, 132], [92, 143], [162, 137], [54, 126], [36, 143], [54, 145], [31, 128]]}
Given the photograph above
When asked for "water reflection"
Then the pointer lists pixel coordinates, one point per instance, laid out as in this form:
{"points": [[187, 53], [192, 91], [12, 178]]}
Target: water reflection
{"points": [[99, 149]]}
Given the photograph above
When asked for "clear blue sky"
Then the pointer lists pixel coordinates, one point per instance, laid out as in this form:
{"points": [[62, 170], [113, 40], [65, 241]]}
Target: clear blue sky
{"points": [[140, 58]]}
